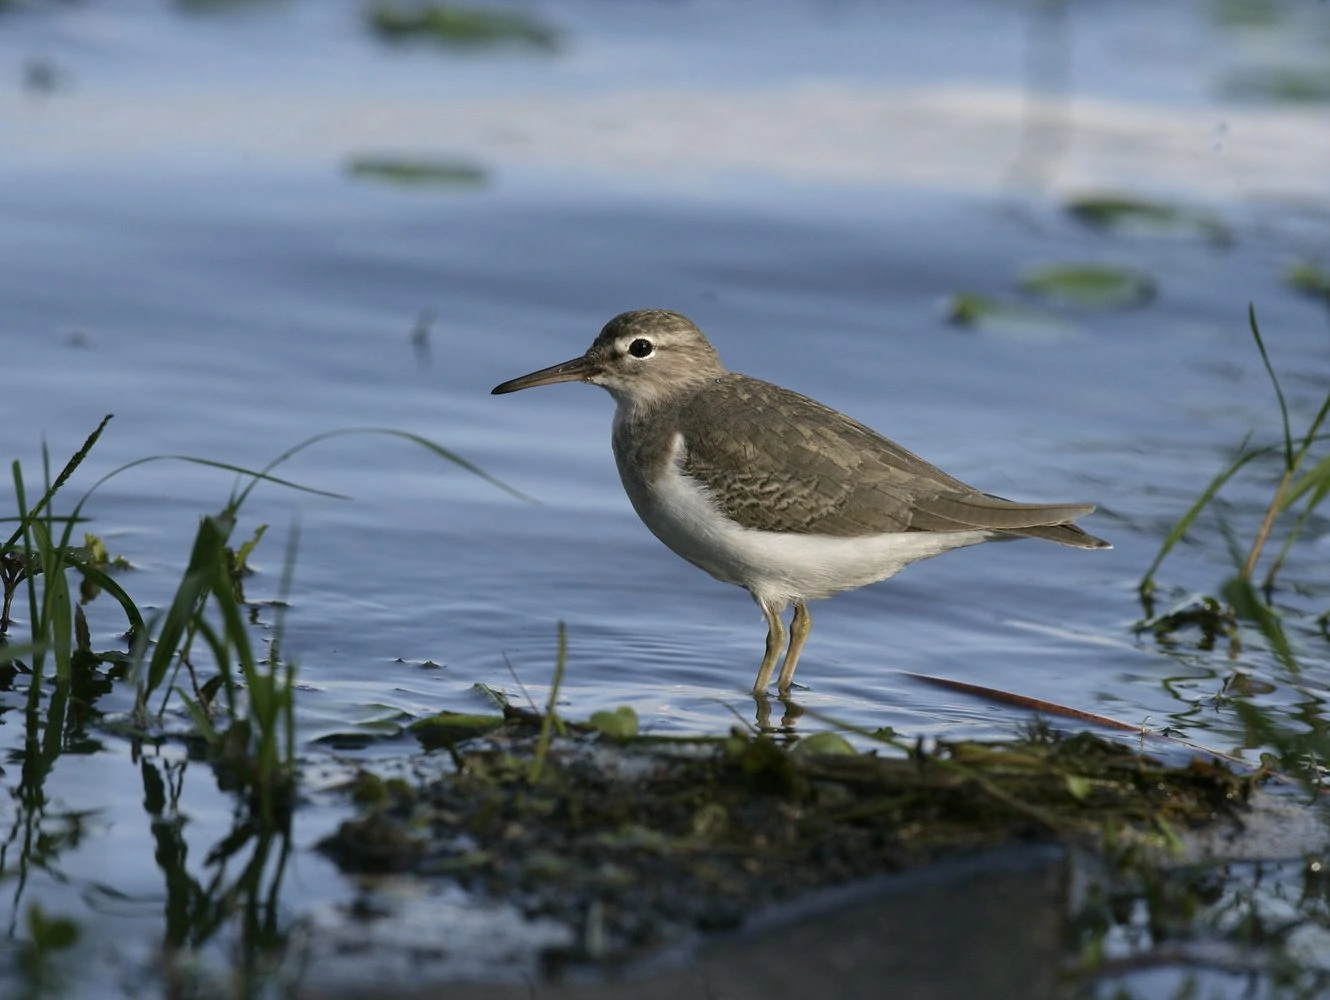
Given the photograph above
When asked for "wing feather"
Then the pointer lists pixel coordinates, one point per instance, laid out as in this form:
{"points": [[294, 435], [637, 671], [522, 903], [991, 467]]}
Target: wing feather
{"points": [[778, 461]]}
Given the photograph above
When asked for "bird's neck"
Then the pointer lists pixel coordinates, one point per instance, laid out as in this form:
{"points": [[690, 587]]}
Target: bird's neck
{"points": [[644, 437]]}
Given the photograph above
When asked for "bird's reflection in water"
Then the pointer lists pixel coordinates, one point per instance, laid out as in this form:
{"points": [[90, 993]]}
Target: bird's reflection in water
{"points": [[793, 711]]}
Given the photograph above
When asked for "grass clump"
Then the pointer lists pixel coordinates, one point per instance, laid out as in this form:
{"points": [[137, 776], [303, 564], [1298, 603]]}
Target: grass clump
{"points": [[1303, 483], [1248, 596], [198, 657], [239, 698], [256, 738]]}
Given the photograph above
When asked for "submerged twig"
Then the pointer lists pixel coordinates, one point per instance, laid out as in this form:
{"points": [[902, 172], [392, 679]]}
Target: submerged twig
{"points": [[512, 671], [1066, 711]]}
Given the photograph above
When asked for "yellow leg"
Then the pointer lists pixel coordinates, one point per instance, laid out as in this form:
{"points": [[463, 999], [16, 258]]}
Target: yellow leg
{"points": [[775, 640], [800, 626]]}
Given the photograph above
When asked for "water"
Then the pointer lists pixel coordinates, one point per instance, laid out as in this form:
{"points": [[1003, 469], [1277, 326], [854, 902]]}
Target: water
{"points": [[183, 247]]}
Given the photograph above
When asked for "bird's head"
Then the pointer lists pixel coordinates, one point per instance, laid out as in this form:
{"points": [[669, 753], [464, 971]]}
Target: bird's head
{"points": [[639, 357]]}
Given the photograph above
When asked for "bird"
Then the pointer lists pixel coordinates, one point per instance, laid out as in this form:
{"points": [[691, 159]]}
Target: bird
{"points": [[773, 491]]}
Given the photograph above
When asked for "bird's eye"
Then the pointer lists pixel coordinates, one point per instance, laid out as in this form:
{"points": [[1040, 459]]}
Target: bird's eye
{"points": [[641, 348]]}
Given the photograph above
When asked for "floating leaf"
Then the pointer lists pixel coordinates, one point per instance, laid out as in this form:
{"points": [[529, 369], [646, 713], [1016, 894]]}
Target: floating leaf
{"points": [[1133, 215], [621, 724], [1090, 286], [1309, 279], [463, 27], [417, 172], [1012, 319]]}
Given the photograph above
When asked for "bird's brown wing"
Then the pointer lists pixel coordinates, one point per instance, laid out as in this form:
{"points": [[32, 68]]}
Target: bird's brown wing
{"points": [[778, 461]]}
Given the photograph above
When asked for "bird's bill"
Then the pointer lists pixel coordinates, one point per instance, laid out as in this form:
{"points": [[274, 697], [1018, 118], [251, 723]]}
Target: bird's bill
{"points": [[577, 370]]}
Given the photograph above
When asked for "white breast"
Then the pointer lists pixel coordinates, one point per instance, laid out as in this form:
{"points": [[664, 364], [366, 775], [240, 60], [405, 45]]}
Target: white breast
{"points": [[777, 567]]}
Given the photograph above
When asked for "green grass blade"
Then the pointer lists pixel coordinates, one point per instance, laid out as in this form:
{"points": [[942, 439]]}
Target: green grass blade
{"points": [[239, 470], [202, 722], [25, 533], [59, 613], [1232, 543], [234, 632], [221, 658], [9, 653], [1313, 430], [416, 439], [550, 719], [208, 553], [275, 647], [1146, 586], [1247, 605], [1315, 480], [109, 585], [1274, 380], [74, 462], [1278, 562]]}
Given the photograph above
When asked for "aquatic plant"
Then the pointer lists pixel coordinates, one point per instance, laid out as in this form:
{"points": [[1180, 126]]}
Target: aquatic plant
{"points": [[1302, 486], [240, 698]]}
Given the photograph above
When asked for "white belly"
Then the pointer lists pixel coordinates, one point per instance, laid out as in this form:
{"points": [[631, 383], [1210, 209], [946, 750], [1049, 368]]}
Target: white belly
{"points": [[773, 566]]}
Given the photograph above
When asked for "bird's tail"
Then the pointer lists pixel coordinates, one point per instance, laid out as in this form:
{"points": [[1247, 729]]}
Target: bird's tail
{"points": [[966, 511], [1064, 534]]}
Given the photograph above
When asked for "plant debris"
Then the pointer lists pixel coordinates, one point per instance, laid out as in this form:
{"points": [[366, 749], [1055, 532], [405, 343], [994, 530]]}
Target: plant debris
{"points": [[637, 842]]}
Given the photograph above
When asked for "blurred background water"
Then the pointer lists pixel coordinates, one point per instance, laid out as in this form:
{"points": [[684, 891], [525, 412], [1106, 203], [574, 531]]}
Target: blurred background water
{"points": [[237, 225]]}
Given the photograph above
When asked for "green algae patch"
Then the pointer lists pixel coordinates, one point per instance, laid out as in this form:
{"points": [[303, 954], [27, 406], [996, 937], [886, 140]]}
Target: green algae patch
{"points": [[663, 838]]}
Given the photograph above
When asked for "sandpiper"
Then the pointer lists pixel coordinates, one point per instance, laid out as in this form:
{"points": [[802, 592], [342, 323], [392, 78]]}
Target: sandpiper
{"points": [[771, 490]]}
